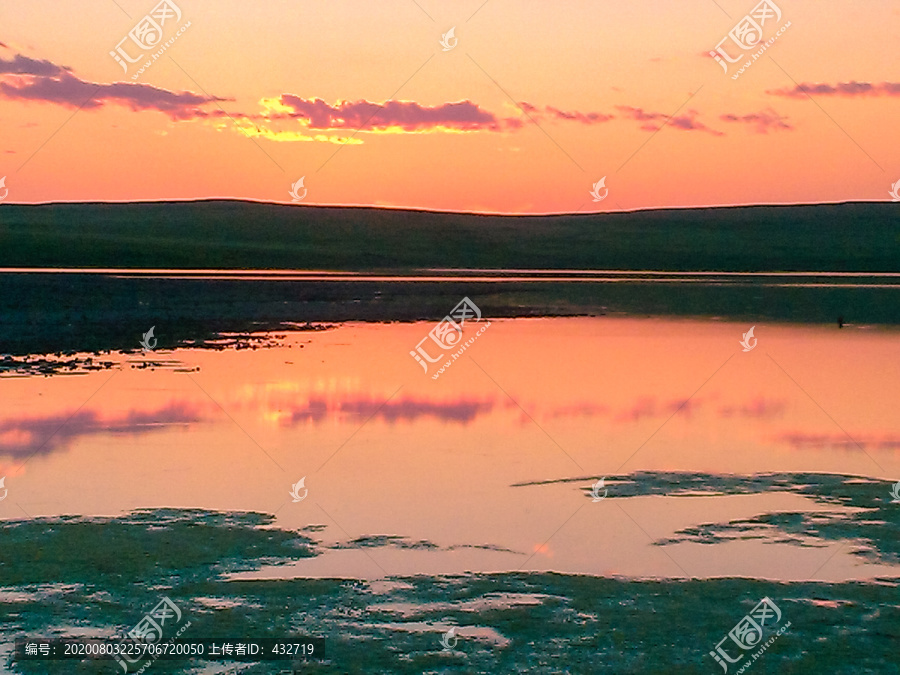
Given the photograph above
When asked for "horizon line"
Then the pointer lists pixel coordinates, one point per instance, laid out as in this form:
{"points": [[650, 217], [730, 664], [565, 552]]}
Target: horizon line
{"points": [[415, 209]]}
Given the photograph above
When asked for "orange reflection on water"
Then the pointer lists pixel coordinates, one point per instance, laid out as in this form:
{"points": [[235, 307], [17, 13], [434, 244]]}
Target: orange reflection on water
{"points": [[386, 450]]}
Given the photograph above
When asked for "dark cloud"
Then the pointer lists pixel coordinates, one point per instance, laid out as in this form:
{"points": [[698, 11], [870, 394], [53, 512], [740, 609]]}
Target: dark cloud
{"points": [[22, 65], [27, 79]]}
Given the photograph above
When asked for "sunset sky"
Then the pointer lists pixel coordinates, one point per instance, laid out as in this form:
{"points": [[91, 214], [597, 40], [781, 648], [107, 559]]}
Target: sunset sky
{"points": [[533, 103]]}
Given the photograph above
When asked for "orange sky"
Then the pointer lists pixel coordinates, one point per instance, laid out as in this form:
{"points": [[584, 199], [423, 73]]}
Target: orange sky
{"points": [[532, 104]]}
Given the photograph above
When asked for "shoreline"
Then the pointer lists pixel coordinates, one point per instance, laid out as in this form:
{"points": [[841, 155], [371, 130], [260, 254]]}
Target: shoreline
{"points": [[47, 313]]}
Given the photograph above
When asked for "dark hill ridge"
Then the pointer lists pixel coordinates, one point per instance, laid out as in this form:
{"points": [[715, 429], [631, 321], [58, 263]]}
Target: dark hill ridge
{"points": [[237, 234]]}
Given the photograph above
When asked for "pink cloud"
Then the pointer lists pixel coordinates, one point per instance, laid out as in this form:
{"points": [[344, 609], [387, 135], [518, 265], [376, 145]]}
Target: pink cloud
{"points": [[648, 406], [685, 122], [461, 410], [759, 407], [639, 114], [25, 436], [407, 115], [843, 89], [564, 115], [761, 122], [578, 410], [27, 79], [800, 440]]}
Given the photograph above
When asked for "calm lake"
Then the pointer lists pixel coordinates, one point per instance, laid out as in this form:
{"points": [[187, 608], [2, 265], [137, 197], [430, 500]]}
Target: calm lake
{"points": [[491, 467]]}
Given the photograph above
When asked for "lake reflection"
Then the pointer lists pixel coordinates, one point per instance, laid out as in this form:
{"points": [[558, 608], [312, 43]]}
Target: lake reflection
{"points": [[489, 467]]}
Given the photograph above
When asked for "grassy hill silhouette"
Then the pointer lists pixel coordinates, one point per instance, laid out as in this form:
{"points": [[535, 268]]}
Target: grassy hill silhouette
{"points": [[49, 312], [248, 235]]}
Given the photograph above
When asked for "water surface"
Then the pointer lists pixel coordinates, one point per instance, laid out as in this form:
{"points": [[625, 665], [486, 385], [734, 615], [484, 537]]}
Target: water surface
{"points": [[489, 468]]}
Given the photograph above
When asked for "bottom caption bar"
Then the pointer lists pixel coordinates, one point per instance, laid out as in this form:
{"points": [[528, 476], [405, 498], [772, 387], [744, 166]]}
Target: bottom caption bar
{"points": [[263, 649]]}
